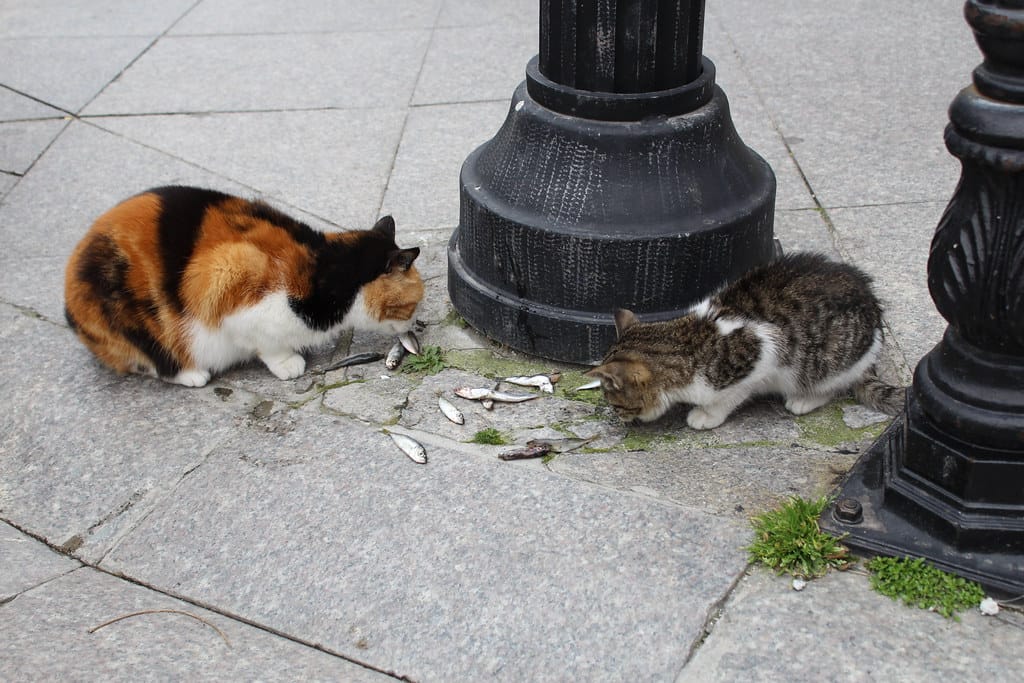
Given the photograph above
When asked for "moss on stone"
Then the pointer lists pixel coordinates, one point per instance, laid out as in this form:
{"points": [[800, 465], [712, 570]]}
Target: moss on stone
{"points": [[642, 441], [454, 319], [825, 426]]}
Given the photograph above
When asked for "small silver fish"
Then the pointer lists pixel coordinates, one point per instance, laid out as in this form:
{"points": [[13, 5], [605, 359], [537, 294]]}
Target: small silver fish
{"points": [[410, 342], [596, 384], [482, 393], [536, 451], [561, 445], [473, 394], [356, 359], [542, 382], [449, 410], [395, 355], [414, 449]]}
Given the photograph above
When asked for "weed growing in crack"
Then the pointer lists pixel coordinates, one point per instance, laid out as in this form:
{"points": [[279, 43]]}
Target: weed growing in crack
{"points": [[489, 437], [429, 361], [790, 541]]}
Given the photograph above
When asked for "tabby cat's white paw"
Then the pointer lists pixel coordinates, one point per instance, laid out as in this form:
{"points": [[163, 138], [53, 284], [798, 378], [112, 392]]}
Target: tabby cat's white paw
{"points": [[191, 378], [699, 418], [287, 367], [805, 404]]}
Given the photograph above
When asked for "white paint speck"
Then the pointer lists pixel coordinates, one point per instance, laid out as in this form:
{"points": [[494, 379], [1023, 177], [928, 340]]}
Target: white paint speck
{"points": [[519, 104], [799, 584]]}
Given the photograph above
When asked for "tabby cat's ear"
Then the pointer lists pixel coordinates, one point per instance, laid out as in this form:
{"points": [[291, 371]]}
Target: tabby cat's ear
{"points": [[624, 319], [402, 259], [606, 375], [619, 373], [386, 227]]}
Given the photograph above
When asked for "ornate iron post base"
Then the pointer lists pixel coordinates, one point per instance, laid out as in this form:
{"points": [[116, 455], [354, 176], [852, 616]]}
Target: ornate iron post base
{"points": [[617, 180], [946, 480]]}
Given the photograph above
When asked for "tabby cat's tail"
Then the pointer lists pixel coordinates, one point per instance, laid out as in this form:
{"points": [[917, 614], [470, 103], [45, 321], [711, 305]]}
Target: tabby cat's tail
{"points": [[877, 395]]}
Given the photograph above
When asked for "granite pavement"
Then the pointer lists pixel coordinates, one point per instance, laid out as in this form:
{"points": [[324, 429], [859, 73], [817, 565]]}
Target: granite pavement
{"points": [[259, 529]]}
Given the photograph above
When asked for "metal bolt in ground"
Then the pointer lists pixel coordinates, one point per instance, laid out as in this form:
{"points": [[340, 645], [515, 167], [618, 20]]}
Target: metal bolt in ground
{"points": [[849, 511]]}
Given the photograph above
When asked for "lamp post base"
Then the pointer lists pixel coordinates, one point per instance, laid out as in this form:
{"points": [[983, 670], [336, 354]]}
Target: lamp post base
{"points": [[903, 515], [564, 218]]}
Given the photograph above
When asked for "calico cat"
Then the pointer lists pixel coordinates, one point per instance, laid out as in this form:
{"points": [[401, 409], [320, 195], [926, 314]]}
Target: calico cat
{"points": [[802, 326], [182, 282]]}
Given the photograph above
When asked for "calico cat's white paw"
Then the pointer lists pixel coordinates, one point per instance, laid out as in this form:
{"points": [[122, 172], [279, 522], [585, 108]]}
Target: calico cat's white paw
{"points": [[285, 367], [191, 378], [699, 418], [804, 404]]}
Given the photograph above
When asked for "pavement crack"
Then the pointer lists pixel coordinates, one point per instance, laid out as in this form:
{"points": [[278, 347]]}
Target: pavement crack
{"points": [[227, 614], [715, 612], [11, 598]]}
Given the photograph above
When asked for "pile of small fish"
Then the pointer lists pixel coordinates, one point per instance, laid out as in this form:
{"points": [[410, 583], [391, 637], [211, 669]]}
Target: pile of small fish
{"points": [[407, 342], [488, 396]]}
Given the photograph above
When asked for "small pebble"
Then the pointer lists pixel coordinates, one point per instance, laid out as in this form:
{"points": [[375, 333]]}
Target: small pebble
{"points": [[799, 584], [989, 607]]}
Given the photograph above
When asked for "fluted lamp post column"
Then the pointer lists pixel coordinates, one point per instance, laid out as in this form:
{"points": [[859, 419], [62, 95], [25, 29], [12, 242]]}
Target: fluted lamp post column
{"points": [[617, 180], [946, 480]]}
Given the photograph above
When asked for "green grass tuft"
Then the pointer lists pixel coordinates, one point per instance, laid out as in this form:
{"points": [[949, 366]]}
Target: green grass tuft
{"points": [[916, 583], [789, 540], [489, 437], [430, 361]]}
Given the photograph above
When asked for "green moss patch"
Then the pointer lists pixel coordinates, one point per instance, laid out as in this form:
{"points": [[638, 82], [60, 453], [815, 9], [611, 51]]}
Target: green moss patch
{"points": [[915, 583], [644, 441], [825, 426]]}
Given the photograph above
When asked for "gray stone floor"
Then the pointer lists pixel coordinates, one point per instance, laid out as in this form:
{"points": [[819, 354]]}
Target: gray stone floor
{"points": [[259, 529]]}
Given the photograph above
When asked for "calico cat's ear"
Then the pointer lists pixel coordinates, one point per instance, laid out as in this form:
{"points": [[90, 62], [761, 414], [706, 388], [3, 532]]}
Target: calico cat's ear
{"points": [[624, 319], [402, 259], [386, 227]]}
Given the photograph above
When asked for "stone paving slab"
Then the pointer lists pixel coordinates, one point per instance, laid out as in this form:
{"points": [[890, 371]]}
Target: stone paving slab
{"points": [[7, 181], [837, 628], [66, 72], [339, 175], [84, 173], [59, 18], [268, 72], [475, 63], [891, 243], [305, 16], [87, 454], [804, 231], [423, 188], [760, 457], [869, 111], [474, 13], [458, 569], [46, 636], [752, 120], [22, 142], [26, 563], [16, 107]]}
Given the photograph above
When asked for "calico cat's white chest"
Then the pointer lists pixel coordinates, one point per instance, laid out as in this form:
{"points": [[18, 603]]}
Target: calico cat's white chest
{"points": [[269, 326]]}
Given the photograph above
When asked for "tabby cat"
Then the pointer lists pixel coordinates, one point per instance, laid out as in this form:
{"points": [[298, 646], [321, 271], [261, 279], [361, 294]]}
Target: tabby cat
{"points": [[183, 282], [802, 326]]}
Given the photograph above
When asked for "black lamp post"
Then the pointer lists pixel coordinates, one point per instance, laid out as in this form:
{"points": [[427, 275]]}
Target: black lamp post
{"points": [[946, 480], [617, 180]]}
